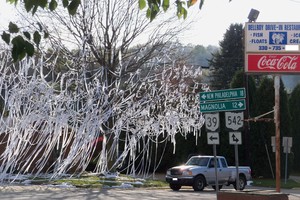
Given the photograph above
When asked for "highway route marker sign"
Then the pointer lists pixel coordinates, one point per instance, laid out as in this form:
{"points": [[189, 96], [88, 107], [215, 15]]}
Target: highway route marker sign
{"points": [[212, 122], [234, 120]]}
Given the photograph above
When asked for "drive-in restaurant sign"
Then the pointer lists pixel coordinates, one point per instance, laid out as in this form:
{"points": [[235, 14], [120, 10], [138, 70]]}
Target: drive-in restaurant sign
{"points": [[272, 47]]}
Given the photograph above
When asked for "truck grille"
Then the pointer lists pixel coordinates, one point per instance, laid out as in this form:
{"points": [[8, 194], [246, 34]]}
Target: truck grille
{"points": [[176, 172]]}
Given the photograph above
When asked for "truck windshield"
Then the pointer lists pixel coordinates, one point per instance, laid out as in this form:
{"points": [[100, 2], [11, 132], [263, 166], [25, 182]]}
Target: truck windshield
{"points": [[197, 161]]}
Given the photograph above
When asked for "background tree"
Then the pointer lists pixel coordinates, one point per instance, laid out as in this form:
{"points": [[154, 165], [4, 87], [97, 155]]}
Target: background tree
{"points": [[285, 125], [199, 55], [295, 118], [262, 131], [229, 59]]}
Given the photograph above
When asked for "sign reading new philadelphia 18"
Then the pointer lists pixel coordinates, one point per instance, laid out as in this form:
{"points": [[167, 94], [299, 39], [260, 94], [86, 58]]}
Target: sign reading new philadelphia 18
{"points": [[223, 100], [272, 47]]}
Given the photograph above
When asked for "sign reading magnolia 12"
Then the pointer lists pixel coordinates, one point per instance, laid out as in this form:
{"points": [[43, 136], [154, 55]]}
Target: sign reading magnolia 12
{"points": [[272, 63]]}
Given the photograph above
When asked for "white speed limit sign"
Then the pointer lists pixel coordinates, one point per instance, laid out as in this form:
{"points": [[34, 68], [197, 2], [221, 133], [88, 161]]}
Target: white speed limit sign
{"points": [[234, 120], [212, 121]]}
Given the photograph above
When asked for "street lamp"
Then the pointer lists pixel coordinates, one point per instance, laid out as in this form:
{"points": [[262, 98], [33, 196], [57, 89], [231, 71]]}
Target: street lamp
{"points": [[253, 15]]}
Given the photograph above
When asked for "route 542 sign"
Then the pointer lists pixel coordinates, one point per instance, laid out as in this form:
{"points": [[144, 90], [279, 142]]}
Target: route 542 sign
{"points": [[212, 122], [234, 120]]}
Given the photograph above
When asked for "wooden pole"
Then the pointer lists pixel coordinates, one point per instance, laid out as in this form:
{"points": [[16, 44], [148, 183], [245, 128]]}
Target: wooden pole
{"points": [[277, 129]]}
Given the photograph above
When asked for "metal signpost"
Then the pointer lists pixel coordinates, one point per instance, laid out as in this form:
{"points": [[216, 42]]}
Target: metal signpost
{"points": [[273, 48], [234, 122], [287, 143], [213, 138], [213, 102]]}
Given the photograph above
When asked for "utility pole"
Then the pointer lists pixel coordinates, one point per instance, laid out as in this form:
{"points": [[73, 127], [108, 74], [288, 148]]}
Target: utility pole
{"points": [[277, 129]]}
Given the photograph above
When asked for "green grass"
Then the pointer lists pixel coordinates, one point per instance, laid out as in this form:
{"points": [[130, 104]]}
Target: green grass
{"points": [[93, 181], [82, 182], [272, 183]]}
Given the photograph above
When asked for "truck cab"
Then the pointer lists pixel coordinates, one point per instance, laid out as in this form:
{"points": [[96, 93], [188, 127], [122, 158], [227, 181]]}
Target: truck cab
{"points": [[200, 171]]}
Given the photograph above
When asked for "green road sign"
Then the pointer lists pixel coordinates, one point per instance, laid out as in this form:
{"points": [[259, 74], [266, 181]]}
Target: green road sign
{"points": [[217, 95], [219, 106]]}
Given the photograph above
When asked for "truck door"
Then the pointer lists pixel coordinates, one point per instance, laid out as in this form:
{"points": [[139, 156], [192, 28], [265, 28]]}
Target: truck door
{"points": [[211, 176], [225, 172]]}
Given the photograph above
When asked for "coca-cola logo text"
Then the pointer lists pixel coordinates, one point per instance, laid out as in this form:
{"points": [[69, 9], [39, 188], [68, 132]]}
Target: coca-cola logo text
{"points": [[282, 63]]}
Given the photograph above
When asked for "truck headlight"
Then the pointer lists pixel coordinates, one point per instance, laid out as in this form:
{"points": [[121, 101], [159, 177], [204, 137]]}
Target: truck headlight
{"points": [[187, 173]]}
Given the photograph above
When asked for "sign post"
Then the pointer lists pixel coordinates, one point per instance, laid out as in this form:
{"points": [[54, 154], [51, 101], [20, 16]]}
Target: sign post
{"points": [[235, 138], [217, 101], [237, 180], [277, 129], [235, 121], [287, 143], [213, 138], [270, 48], [216, 167]]}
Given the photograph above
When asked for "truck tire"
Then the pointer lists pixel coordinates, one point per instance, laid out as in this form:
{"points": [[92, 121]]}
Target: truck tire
{"points": [[175, 187], [242, 182], [199, 183]]}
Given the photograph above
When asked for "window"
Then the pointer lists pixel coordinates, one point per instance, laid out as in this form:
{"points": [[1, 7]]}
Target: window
{"points": [[224, 163], [197, 161], [212, 163]]}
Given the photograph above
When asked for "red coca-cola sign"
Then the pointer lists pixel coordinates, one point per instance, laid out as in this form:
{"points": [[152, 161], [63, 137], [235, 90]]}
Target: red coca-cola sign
{"points": [[273, 63]]}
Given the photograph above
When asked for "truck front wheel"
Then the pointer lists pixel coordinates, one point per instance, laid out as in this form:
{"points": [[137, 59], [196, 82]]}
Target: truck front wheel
{"points": [[175, 187], [199, 183]]}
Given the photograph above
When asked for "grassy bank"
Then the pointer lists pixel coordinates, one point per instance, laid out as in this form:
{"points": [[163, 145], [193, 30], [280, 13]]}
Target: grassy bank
{"points": [[272, 183], [93, 181]]}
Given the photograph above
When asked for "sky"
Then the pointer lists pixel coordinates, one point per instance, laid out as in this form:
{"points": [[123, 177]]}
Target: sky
{"points": [[215, 17]]}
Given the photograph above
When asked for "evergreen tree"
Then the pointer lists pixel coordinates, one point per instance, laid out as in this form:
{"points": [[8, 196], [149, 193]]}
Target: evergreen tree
{"points": [[285, 126], [295, 126], [240, 80], [261, 131], [229, 59]]}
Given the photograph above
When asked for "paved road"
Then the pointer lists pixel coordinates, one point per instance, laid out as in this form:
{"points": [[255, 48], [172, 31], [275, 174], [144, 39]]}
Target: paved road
{"points": [[46, 192]]}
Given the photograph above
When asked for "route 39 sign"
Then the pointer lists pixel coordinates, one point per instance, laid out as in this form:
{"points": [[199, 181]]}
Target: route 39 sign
{"points": [[234, 120], [212, 122]]}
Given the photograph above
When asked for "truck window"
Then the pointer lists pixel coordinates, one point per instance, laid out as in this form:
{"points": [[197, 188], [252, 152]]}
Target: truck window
{"points": [[224, 163], [197, 161], [212, 163]]}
